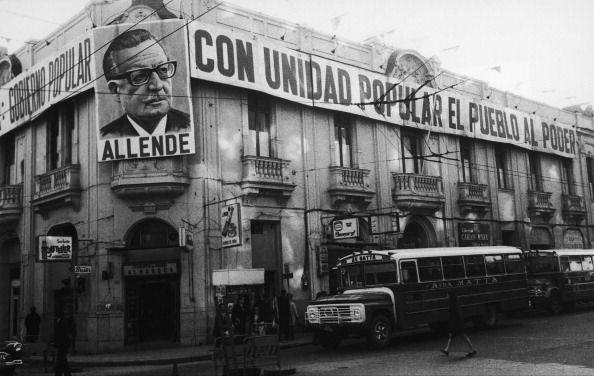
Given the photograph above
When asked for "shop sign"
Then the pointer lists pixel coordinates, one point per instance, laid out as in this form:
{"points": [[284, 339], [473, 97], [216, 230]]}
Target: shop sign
{"points": [[573, 238], [54, 248], [230, 226], [243, 59], [131, 122], [186, 238], [149, 269], [322, 260], [345, 228], [81, 269], [474, 234]]}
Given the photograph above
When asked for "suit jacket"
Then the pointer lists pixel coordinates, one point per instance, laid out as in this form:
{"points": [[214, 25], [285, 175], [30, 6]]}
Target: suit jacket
{"points": [[121, 127]]}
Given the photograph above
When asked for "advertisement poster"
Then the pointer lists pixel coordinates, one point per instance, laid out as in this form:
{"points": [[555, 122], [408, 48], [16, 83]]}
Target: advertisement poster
{"points": [[230, 226], [143, 91], [54, 248]]}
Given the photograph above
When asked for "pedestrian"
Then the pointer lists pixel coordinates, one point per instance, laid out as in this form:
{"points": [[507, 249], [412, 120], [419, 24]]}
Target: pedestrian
{"points": [[456, 326], [63, 336], [294, 317], [223, 325], [32, 322], [284, 315]]}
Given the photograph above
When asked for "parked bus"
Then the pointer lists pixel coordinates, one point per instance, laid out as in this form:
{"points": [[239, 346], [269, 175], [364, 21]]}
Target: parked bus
{"points": [[381, 292], [560, 278]]}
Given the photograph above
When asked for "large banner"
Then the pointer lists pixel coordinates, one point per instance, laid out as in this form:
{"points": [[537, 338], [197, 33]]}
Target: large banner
{"points": [[68, 71], [254, 62], [143, 91]]}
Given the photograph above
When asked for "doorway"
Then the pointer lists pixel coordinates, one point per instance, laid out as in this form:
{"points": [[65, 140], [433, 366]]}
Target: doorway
{"points": [[266, 253]]}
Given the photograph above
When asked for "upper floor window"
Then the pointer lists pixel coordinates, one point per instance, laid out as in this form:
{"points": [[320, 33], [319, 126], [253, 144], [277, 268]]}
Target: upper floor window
{"points": [[259, 124], [412, 153], [468, 173], [567, 176], [60, 137], [8, 146], [343, 140], [590, 168], [535, 172], [503, 179]]}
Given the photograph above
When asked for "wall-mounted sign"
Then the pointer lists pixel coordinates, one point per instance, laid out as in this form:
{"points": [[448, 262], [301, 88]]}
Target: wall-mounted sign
{"points": [[322, 260], [474, 234], [148, 269], [186, 238], [81, 269], [345, 228], [54, 248], [230, 225]]}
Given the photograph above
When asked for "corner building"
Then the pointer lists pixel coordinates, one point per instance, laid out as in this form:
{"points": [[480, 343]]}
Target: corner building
{"points": [[304, 148]]}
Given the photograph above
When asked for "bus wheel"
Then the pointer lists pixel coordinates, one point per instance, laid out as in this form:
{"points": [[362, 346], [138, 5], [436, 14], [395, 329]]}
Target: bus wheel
{"points": [[555, 307], [488, 319], [329, 341], [380, 332]]}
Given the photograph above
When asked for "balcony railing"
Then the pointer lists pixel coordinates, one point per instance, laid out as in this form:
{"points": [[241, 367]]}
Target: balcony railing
{"points": [[139, 178], [57, 188], [349, 184], [539, 204], [414, 192], [11, 203], [473, 197], [573, 206], [265, 175]]}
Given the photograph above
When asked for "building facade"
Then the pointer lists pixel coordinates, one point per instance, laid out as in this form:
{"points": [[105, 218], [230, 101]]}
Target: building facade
{"points": [[301, 148]]}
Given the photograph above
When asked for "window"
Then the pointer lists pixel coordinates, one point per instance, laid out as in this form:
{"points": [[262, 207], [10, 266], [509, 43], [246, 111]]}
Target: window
{"points": [[587, 263], [453, 267], [535, 172], [60, 136], [475, 265], [567, 176], [259, 124], [564, 263], [380, 274], [575, 263], [409, 271], [468, 174], [412, 154], [495, 264], [590, 167], [430, 269], [503, 180], [8, 145], [351, 276], [514, 264], [343, 140]]}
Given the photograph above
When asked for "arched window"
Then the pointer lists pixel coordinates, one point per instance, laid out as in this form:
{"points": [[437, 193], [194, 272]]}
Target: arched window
{"points": [[152, 233]]}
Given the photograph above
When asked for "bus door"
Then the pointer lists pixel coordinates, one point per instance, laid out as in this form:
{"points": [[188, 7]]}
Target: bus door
{"points": [[410, 302]]}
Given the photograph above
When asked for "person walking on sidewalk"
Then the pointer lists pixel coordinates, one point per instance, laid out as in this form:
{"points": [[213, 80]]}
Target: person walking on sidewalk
{"points": [[63, 336], [32, 322], [294, 317], [456, 323]]}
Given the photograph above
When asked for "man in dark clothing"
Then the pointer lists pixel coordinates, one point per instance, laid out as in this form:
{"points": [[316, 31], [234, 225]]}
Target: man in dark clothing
{"points": [[284, 315], [456, 323], [32, 322], [63, 336]]}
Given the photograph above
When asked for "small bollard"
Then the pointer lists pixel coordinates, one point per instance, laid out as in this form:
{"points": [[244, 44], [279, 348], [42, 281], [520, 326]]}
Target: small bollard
{"points": [[174, 371]]}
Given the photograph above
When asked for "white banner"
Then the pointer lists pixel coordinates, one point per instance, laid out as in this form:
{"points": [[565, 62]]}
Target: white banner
{"points": [[66, 73], [254, 62]]}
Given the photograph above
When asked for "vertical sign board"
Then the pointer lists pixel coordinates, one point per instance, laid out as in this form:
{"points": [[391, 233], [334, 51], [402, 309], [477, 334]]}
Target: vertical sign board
{"points": [[54, 248], [230, 225], [474, 234]]}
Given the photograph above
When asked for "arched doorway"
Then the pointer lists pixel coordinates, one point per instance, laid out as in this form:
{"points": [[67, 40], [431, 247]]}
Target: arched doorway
{"points": [[541, 238], [418, 233], [151, 272]]}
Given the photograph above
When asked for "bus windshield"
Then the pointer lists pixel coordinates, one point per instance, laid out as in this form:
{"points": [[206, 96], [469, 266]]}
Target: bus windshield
{"points": [[351, 277]]}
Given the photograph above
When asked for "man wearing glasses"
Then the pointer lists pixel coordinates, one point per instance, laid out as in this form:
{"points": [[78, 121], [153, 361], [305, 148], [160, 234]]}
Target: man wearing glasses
{"points": [[139, 74]]}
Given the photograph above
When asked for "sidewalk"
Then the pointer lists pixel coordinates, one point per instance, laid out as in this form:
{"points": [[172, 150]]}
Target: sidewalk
{"points": [[179, 354]]}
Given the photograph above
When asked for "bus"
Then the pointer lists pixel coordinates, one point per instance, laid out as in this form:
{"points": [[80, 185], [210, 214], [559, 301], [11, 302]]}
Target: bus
{"points": [[560, 278], [383, 291]]}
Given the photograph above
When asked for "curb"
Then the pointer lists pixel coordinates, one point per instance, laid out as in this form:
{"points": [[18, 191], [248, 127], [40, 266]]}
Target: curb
{"points": [[149, 362]]}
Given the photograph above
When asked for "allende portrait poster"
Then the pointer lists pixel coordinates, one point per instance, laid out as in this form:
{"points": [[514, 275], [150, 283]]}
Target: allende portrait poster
{"points": [[143, 91]]}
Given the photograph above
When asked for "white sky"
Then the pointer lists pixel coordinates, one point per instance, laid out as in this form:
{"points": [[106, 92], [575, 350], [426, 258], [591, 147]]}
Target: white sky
{"points": [[545, 48]]}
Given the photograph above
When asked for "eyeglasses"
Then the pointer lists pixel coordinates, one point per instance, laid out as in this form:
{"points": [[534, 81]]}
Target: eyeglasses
{"points": [[138, 77]]}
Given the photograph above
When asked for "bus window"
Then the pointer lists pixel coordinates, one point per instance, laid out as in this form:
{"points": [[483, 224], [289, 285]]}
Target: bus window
{"points": [[380, 274], [351, 277], [453, 267], [494, 264], [513, 264], [475, 265], [564, 264], [430, 269], [409, 271], [587, 263], [575, 263]]}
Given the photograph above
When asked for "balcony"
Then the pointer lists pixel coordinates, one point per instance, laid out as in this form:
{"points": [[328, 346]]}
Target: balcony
{"points": [[60, 187], [350, 185], [418, 193], [539, 205], [473, 198], [11, 204], [573, 207], [266, 176], [150, 183]]}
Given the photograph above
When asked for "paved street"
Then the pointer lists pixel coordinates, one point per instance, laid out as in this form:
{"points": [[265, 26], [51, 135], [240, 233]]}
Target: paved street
{"points": [[526, 345]]}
